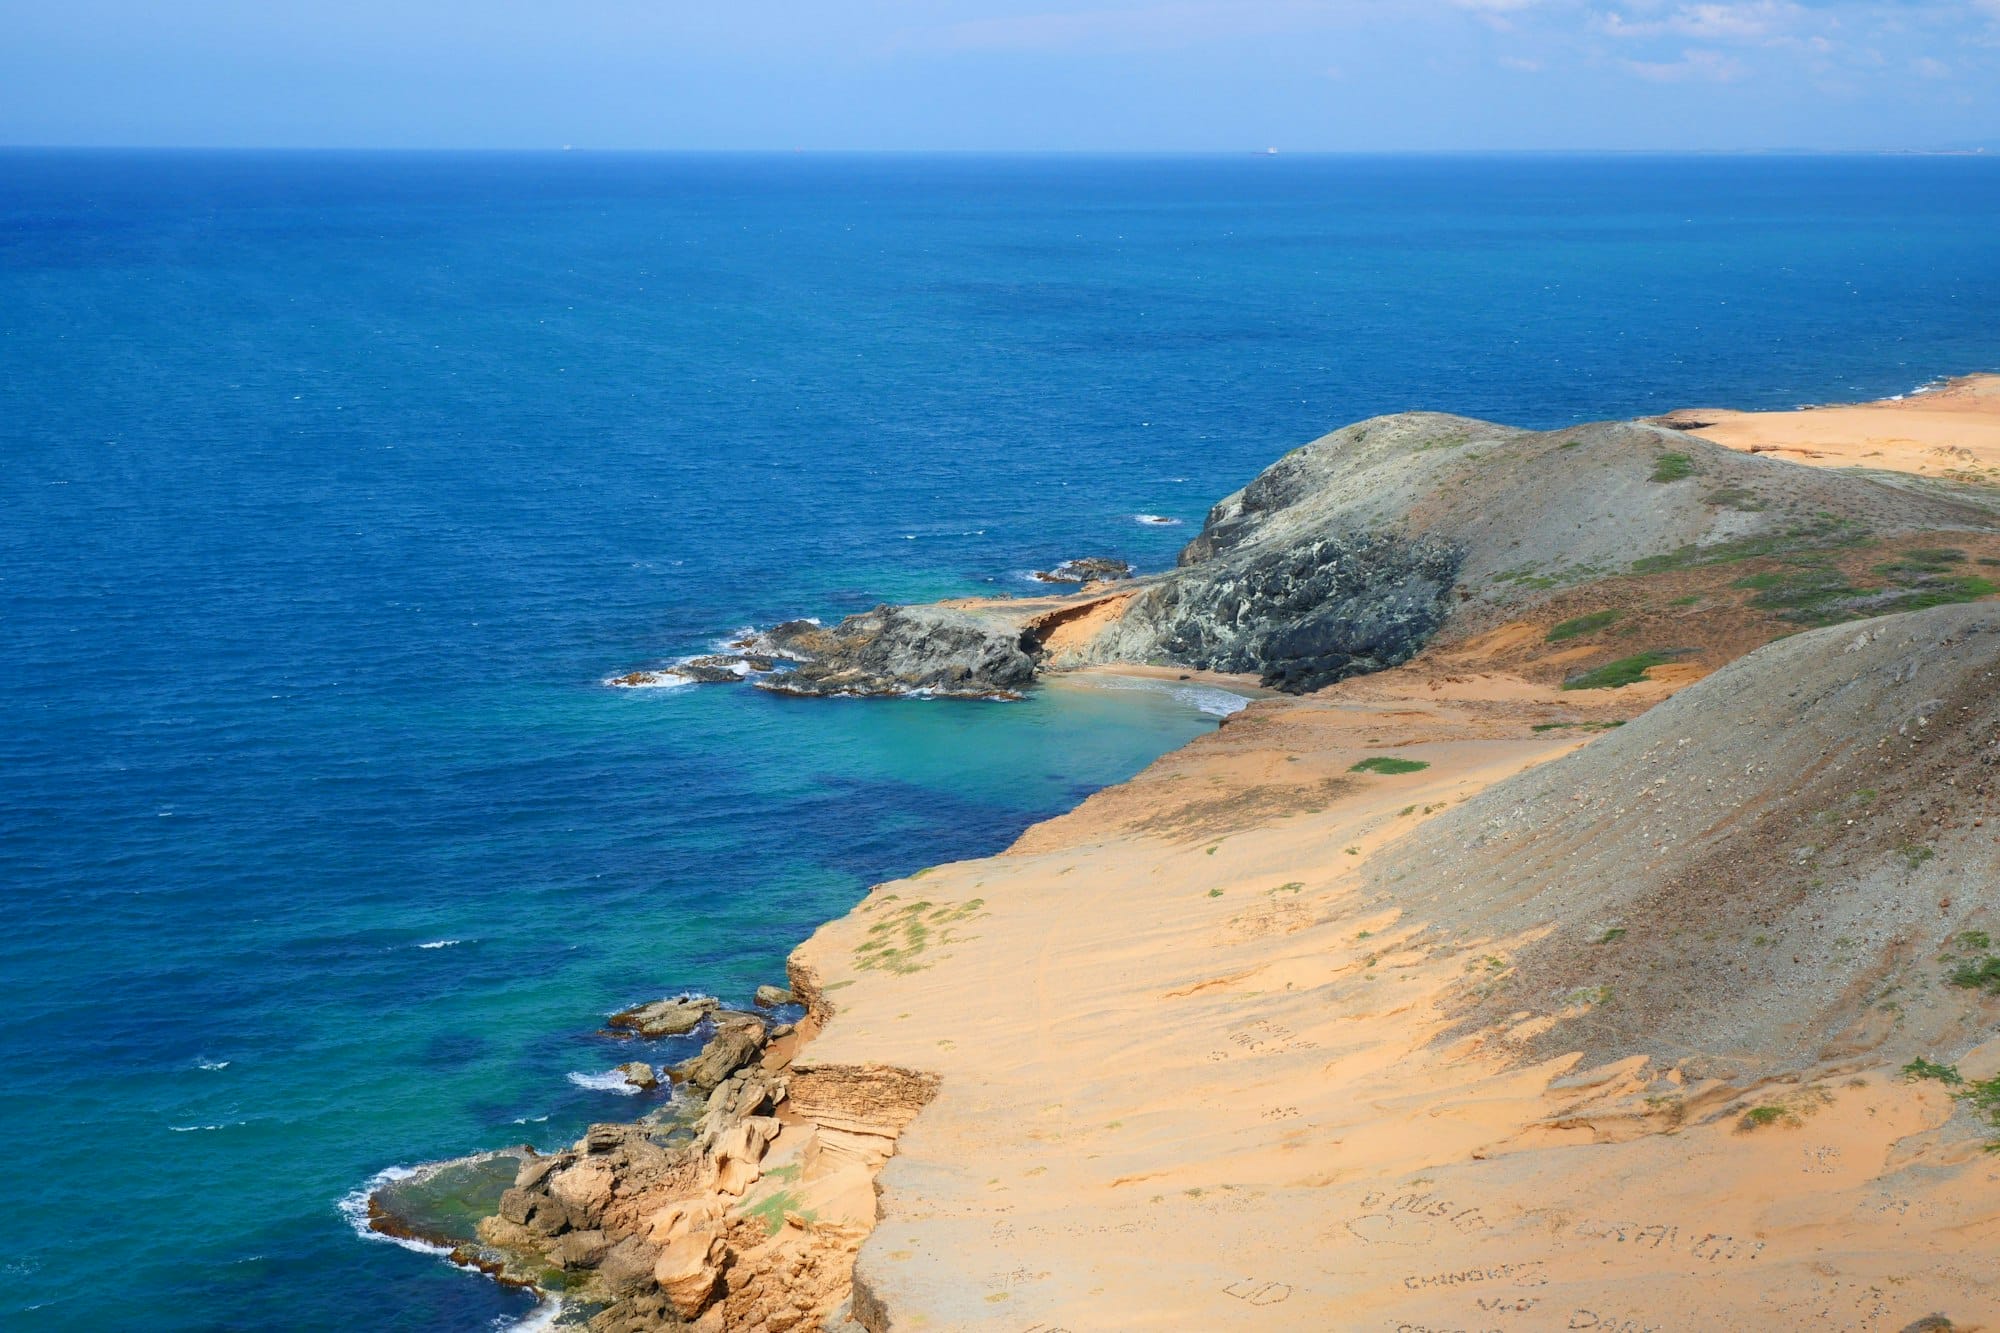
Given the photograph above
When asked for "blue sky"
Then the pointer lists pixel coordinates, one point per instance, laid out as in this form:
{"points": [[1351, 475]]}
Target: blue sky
{"points": [[982, 74]]}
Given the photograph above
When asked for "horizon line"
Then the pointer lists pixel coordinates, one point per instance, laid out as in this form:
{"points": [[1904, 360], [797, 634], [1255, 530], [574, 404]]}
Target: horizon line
{"points": [[1978, 150]]}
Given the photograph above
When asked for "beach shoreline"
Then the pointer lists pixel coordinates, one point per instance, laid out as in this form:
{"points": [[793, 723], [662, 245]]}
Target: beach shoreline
{"points": [[1183, 1055]]}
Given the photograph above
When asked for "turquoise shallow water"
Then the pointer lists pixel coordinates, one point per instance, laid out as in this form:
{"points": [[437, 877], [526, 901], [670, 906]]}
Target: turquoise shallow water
{"points": [[335, 485]]}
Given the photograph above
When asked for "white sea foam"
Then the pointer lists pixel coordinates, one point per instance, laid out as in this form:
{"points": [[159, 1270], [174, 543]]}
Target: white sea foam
{"points": [[440, 944], [202, 1062], [538, 1320], [609, 1081], [1156, 520], [648, 680], [529, 1119], [354, 1207], [198, 1129], [1207, 698]]}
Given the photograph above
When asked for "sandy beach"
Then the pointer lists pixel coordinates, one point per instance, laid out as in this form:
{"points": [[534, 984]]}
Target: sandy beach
{"points": [[1952, 431], [1460, 995]]}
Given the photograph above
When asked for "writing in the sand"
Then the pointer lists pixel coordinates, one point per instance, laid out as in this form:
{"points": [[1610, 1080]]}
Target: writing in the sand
{"points": [[1709, 1245], [1258, 1292], [1527, 1274], [1440, 1328], [1264, 1035], [1508, 1304], [1427, 1205], [1590, 1319], [1045, 1328]]}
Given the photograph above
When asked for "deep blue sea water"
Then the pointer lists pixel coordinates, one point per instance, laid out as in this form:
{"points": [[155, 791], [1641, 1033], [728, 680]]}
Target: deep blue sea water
{"points": [[334, 485]]}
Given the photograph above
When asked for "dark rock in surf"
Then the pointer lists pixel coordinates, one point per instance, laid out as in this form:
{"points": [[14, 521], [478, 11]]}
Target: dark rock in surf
{"points": [[904, 650], [1087, 569]]}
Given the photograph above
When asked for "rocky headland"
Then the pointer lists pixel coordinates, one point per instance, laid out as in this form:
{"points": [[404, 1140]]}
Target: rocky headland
{"points": [[1597, 932]]}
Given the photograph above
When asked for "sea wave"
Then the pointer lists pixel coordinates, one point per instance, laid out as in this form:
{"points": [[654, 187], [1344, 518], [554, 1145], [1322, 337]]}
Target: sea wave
{"points": [[353, 1206], [198, 1129], [649, 680], [440, 944], [1209, 699], [1156, 520], [609, 1081], [203, 1062], [538, 1320]]}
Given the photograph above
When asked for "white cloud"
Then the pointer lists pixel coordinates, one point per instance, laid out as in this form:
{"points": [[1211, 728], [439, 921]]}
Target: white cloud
{"points": [[1694, 66], [1930, 68], [1754, 21]]}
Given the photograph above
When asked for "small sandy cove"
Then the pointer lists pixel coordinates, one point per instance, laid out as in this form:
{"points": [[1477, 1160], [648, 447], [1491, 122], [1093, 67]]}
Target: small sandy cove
{"points": [[1192, 1077]]}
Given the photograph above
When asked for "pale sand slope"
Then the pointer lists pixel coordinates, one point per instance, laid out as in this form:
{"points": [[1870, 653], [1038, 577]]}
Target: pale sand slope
{"points": [[1196, 1074], [1951, 432]]}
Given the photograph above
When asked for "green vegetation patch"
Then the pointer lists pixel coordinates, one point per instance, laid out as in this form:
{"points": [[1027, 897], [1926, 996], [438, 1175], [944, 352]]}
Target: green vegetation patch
{"points": [[1983, 1097], [1673, 467], [771, 1210], [1617, 675], [896, 941], [1981, 974], [1812, 591], [1382, 763], [1588, 624], [1801, 590], [1824, 534], [1759, 1116], [1919, 1069], [1739, 498]]}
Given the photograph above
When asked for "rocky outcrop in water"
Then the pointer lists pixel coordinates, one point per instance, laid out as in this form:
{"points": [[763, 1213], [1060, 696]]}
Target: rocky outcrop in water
{"points": [[1086, 569], [904, 650], [743, 1211], [663, 1018]]}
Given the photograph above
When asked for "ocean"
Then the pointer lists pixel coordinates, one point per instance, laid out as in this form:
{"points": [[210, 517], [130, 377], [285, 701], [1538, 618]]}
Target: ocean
{"points": [[336, 486]]}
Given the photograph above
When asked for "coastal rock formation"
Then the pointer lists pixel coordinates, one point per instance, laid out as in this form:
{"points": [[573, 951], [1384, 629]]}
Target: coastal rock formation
{"points": [[1347, 555], [1087, 569], [1303, 615], [1350, 554], [904, 650], [738, 1039], [750, 1224], [640, 1074], [663, 1018]]}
